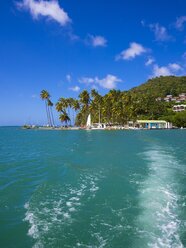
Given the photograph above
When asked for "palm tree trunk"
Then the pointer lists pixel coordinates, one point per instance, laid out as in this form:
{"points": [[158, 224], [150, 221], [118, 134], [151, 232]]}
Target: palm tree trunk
{"points": [[68, 111], [47, 112], [53, 124], [73, 119], [50, 122]]}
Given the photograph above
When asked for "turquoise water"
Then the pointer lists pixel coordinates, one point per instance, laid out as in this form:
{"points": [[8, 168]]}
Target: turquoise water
{"points": [[92, 188]]}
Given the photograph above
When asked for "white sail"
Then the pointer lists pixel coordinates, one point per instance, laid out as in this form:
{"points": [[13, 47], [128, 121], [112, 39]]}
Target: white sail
{"points": [[88, 121]]}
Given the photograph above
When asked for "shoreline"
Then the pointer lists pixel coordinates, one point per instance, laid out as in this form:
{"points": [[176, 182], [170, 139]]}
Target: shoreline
{"points": [[104, 129]]}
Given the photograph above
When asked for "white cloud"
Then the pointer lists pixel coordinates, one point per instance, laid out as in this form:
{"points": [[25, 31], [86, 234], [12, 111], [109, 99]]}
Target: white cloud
{"points": [[160, 32], [134, 50], [149, 61], [72, 36], [87, 80], [49, 9], [109, 82], [161, 71], [170, 69], [75, 88], [68, 78], [180, 23], [96, 41], [175, 67]]}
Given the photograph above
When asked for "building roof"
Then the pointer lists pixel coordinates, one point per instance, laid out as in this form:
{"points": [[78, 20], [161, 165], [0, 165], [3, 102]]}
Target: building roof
{"points": [[152, 121]]}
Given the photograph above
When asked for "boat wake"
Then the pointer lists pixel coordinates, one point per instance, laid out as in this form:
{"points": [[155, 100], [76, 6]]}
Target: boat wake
{"points": [[53, 210], [159, 224]]}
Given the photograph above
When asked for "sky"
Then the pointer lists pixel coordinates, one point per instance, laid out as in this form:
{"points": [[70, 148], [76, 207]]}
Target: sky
{"points": [[67, 46]]}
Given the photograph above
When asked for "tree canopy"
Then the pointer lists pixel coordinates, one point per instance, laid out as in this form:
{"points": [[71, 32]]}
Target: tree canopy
{"points": [[118, 107]]}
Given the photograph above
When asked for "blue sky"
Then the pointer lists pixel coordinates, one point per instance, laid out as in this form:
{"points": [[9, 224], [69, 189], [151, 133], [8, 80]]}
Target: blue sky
{"points": [[66, 46]]}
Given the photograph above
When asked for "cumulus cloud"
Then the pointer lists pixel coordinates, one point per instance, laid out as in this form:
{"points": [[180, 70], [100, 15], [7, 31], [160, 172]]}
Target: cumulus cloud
{"points": [[149, 61], [96, 41], [75, 88], [175, 67], [134, 50], [180, 23], [170, 69], [161, 71], [160, 32], [109, 82], [50, 9]]}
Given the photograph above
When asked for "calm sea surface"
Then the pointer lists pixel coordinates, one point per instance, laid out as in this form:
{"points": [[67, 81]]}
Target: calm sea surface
{"points": [[92, 189]]}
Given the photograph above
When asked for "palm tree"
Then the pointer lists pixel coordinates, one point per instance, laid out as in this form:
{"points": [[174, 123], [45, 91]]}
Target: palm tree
{"points": [[50, 105], [84, 99], [45, 96], [63, 117], [59, 106], [75, 107], [96, 104]]}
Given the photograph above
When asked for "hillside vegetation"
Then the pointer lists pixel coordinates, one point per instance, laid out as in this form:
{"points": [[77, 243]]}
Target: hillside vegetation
{"points": [[162, 86], [119, 107]]}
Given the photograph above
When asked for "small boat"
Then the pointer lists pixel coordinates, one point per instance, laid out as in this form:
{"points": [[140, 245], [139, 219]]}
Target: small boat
{"points": [[95, 126], [88, 124]]}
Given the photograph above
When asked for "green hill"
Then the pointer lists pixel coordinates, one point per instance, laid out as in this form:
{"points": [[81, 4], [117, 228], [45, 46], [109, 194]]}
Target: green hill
{"points": [[162, 86]]}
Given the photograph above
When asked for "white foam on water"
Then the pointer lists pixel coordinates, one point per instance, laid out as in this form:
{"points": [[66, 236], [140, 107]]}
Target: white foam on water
{"points": [[72, 209], [101, 240], [57, 209], [30, 217], [66, 215], [74, 199], [159, 222], [69, 204]]}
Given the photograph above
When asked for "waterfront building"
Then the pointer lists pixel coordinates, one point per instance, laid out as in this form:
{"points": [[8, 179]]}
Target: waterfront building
{"points": [[153, 124]]}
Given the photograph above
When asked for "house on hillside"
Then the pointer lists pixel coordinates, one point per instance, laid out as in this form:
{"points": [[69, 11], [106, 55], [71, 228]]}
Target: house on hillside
{"points": [[168, 98], [179, 108], [182, 97]]}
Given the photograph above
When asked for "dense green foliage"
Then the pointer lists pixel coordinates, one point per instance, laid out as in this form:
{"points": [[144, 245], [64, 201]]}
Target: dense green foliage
{"points": [[178, 119], [118, 107], [162, 86]]}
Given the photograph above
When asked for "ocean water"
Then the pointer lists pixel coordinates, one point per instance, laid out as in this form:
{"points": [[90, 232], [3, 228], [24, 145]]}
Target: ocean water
{"points": [[92, 189]]}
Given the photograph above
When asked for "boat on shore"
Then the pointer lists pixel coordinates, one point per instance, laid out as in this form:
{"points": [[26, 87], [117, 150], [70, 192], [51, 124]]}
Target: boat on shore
{"points": [[94, 126]]}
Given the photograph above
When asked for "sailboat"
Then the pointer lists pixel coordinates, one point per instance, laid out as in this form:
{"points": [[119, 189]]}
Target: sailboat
{"points": [[88, 124], [96, 126]]}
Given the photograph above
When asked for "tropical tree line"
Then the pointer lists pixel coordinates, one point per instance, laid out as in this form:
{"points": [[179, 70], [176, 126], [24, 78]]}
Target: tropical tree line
{"points": [[119, 107], [115, 107]]}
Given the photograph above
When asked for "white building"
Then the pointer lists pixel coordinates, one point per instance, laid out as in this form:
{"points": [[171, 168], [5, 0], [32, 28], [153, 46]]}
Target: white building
{"points": [[179, 108], [154, 124]]}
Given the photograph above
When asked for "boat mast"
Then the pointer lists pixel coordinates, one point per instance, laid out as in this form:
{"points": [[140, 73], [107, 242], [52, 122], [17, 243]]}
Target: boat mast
{"points": [[99, 115]]}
